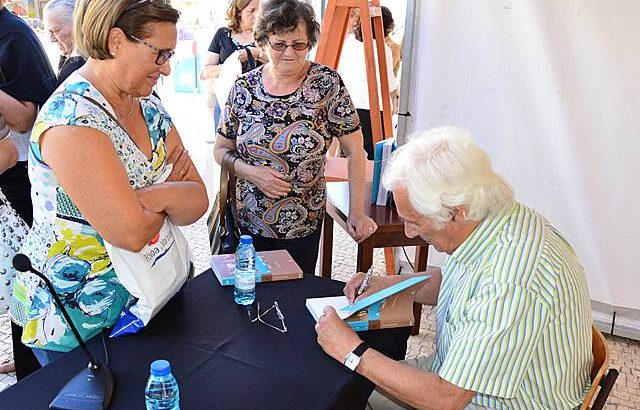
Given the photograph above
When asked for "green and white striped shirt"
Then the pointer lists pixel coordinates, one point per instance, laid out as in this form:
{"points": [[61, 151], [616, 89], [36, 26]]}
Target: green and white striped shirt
{"points": [[514, 317]]}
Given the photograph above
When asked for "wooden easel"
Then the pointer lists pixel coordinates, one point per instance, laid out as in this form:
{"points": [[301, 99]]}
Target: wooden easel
{"points": [[334, 31]]}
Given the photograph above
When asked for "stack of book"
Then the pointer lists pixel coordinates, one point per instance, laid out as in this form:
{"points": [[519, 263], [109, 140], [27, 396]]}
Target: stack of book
{"points": [[270, 266], [384, 149]]}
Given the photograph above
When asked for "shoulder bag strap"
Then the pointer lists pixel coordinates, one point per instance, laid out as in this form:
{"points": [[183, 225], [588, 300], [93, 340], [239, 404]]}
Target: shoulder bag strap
{"points": [[228, 189], [97, 104]]}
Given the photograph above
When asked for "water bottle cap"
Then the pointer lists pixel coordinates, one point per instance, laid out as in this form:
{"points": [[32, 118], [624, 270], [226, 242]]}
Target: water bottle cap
{"points": [[246, 239], [160, 368]]}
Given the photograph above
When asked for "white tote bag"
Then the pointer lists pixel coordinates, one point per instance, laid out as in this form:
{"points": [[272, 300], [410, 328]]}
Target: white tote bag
{"points": [[229, 73], [153, 275]]}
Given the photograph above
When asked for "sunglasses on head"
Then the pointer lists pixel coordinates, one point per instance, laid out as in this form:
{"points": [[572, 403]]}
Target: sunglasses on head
{"points": [[140, 3]]}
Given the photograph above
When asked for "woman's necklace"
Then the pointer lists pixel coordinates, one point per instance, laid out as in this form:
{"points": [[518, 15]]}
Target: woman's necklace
{"points": [[127, 115]]}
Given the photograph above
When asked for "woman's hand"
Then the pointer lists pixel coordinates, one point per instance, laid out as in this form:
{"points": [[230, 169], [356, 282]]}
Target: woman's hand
{"points": [[183, 169], [271, 182], [360, 226]]}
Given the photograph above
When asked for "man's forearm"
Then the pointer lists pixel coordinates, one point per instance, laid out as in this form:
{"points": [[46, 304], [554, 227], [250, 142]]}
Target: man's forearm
{"points": [[415, 387]]}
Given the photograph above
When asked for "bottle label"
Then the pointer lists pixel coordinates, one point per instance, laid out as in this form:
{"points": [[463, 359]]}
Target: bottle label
{"points": [[245, 282]]}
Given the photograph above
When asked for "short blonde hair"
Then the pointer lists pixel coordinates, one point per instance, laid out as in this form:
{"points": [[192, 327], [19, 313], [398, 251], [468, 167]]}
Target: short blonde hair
{"points": [[94, 19], [443, 168]]}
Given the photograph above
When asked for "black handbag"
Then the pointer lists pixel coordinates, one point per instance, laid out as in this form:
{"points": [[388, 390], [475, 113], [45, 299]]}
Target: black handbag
{"points": [[224, 234]]}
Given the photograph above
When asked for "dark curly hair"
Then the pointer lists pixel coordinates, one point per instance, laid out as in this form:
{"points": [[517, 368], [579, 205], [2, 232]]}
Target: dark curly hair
{"points": [[283, 16], [387, 24]]}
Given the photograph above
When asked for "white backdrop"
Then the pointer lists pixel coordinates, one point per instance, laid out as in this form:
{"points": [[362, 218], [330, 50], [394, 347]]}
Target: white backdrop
{"points": [[551, 89]]}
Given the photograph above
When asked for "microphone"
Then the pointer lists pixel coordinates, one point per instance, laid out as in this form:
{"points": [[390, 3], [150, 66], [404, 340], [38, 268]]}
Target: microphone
{"points": [[92, 388]]}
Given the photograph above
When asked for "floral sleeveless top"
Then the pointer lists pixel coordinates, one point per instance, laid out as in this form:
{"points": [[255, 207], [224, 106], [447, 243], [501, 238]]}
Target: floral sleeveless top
{"points": [[61, 243]]}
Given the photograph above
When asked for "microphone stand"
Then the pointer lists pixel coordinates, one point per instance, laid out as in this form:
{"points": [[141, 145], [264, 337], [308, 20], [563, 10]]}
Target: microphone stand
{"points": [[92, 388]]}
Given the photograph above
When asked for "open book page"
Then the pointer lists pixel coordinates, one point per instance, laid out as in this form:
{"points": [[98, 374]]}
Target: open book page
{"points": [[344, 309], [316, 306]]}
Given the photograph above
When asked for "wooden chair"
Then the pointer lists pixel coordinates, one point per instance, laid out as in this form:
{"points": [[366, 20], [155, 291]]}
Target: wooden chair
{"points": [[602, 378]]}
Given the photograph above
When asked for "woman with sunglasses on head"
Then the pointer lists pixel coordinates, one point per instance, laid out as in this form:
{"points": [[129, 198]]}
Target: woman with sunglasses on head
{"points": [[235, 39], [106, 164], [279, 121]]}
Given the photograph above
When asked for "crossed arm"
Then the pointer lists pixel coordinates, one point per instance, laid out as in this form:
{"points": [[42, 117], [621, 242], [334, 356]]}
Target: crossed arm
{"points": [[87, 167], [19, 115]]}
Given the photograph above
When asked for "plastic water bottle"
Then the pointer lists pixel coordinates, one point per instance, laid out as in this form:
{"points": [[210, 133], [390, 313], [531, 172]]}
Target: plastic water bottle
{"points": [[162, 388], [244, 289]]}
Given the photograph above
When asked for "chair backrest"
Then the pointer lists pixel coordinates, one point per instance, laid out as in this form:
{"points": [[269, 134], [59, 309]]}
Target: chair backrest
{"points": [[600, 351]]}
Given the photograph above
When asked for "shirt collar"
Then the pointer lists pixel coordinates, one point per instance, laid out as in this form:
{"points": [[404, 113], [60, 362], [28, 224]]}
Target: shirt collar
{"points": [[484, 234]]}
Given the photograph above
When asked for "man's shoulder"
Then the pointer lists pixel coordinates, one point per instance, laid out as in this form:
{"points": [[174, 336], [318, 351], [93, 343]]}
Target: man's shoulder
{"points": [[12, 26]]}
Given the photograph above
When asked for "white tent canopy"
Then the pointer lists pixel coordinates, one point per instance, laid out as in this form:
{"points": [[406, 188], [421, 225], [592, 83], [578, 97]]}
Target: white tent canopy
{"points": [[551, 89]]}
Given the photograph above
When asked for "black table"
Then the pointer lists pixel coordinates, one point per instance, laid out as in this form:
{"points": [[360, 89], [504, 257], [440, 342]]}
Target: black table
{"points": [[220, 359]]}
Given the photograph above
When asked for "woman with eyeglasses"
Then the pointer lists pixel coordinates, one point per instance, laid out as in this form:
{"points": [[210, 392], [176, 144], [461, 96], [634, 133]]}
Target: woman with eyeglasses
{"points": [[279, 121], [235, 39], [106, 164]]}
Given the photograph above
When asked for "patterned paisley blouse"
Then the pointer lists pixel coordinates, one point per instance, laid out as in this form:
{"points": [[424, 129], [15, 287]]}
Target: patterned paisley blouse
{"points": [[61, 243], [291, 134]]}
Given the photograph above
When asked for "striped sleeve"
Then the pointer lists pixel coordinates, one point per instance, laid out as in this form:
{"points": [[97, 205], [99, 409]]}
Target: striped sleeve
{"points": [[495, 340]]}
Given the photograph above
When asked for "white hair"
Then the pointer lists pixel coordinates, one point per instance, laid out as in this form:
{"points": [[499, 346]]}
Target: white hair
{"points": [[65, 7], [443, 168]]}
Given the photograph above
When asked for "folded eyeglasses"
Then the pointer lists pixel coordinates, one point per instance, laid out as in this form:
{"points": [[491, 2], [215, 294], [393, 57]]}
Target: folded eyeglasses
{"points": [[259, 315]]}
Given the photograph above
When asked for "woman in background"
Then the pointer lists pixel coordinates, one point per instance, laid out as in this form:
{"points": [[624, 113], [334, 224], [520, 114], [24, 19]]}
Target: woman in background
{"points": [[279, 121], [26, 81], [237, 36], [352, 69]]}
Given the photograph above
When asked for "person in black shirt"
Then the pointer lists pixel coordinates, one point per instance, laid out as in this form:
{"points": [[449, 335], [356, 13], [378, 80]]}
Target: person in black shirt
{"points": [[58, 21], [27, 81], [238, 35]]}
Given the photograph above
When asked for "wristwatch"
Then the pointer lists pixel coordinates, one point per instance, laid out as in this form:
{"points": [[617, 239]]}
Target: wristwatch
{"points": [[353, 359]]}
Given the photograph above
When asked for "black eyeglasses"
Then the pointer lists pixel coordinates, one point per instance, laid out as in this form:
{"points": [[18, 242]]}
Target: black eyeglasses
{"points": [[281, 45], [163, 54]]}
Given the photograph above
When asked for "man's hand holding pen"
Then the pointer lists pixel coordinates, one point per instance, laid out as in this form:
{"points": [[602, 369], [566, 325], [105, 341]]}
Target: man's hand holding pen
{"points": [[362, 285]]}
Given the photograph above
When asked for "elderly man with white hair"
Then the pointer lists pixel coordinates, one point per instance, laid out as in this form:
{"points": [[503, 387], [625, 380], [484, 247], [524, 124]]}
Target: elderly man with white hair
{"points": [[513, 325]]}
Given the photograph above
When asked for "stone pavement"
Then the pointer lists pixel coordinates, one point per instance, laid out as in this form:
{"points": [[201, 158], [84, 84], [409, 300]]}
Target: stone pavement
{"points": [[625, 353], [197, 138]]}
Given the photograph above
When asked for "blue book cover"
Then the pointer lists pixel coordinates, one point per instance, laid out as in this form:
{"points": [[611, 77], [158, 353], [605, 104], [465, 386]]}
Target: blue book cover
{"points": [[377, 171], [390, 307], [270, 266]]}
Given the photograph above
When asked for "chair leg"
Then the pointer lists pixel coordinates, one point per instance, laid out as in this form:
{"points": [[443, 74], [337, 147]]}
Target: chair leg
{"points": [[606, 384], [390, 261]]}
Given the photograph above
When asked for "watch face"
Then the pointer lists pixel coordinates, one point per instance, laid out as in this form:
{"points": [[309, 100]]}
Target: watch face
{"points": [[352, 361]]}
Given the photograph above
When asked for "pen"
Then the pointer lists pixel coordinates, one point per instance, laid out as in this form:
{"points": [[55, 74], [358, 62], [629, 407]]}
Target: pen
{"points": [[365, 282]]}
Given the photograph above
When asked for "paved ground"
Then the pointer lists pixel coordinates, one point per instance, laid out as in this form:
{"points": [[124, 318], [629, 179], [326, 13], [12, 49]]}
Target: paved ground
{"points": [[625, 353]]}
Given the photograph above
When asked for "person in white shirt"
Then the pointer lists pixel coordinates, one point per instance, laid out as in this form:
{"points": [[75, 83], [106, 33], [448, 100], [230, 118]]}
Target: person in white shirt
{"points": [[352, 69]]}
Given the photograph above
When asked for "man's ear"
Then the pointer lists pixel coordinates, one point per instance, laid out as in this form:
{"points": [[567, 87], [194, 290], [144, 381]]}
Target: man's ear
{"points": [[459, 213], [116, 41]]}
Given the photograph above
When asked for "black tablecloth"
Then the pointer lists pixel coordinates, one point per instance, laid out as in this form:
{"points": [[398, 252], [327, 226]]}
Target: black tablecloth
{"points": [[220, 359]]}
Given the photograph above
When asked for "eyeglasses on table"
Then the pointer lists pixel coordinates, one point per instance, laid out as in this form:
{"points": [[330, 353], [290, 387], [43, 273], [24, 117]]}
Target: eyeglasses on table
{"points": [[260, 315]]}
